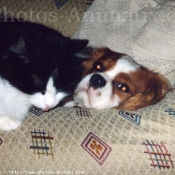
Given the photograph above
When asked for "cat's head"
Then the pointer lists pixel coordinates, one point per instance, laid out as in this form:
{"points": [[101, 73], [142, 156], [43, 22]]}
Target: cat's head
{"points": [[45, 70]]}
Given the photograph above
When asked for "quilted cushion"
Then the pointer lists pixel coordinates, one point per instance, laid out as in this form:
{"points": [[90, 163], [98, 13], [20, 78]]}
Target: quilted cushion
{"points": [[144, 30]]}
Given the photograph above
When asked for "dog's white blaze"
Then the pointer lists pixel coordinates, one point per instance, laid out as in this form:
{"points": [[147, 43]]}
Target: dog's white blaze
{"points": [[124, 64]]}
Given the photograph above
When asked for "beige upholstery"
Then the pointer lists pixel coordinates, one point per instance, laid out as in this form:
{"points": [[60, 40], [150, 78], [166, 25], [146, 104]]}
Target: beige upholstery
{"points": [[144, 30], [85, 141]]}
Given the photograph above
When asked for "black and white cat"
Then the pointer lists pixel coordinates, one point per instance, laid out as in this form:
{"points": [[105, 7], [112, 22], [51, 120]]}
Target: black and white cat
{"points": [[38, 66]]}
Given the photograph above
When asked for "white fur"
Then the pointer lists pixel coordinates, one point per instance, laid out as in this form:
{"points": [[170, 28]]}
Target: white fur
{"points": [[100, 98], [124, 64], [14, 104], [50, 99], [70, 104]]}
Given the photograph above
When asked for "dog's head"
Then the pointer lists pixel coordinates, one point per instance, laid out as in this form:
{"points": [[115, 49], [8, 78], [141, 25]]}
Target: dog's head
{"points": [[114, 80]]}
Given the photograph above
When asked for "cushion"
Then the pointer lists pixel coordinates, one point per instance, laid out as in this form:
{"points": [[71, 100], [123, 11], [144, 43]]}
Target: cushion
{"points": [[145, 30], [93, 142]]}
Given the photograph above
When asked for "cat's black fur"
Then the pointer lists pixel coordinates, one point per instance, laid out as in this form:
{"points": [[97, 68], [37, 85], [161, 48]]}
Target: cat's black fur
{"points": [[30, 53]]}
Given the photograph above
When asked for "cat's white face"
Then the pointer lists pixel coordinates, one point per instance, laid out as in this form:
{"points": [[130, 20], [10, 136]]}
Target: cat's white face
{"points": [[49, 99]]}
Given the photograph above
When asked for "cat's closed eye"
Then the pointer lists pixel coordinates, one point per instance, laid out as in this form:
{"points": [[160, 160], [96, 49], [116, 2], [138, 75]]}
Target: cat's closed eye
{"points": [[37, 80], [43, 92]]}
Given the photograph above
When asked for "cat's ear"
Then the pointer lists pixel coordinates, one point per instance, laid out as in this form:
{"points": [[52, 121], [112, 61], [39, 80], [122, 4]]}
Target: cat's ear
{"points": [[85, 53], [77, 45], [20, 47]]}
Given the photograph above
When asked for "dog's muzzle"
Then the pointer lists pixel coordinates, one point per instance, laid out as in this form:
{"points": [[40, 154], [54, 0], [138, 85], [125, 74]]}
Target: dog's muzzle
{"points": [[97, 81]]}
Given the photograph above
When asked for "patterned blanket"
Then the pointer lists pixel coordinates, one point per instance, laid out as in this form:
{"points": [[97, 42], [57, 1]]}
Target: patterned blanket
{"points": [[105, 142], [90, 142]]}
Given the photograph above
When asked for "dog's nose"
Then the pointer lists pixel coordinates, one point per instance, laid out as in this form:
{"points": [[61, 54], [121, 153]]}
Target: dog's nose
{"points": [[97, 81]]}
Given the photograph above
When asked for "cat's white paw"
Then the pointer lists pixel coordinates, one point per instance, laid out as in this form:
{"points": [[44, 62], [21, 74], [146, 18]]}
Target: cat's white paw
{"points": [[7, 124], [69, 104]]}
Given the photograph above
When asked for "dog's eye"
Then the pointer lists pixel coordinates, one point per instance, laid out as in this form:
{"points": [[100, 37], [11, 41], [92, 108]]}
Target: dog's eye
{"points": [[122, 86], [98, 66]]}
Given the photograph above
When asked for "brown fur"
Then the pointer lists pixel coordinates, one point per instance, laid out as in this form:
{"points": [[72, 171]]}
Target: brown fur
{"points": [[103, 55], [147, 89]]}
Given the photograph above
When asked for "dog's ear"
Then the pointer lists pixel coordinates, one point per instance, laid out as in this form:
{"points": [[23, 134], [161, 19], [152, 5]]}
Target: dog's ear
{"points": [[77, 45], [156, 89]]}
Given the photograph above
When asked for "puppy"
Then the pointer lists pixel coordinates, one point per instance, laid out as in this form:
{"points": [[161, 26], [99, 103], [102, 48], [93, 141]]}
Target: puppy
{"points": [[114, 80]]}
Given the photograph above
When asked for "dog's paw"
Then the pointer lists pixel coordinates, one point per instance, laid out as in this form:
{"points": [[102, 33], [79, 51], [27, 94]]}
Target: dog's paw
{"points": [[8, 124]]}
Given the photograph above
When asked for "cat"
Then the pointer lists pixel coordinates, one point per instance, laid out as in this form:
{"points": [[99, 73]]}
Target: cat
{"points": [[38, 67]]}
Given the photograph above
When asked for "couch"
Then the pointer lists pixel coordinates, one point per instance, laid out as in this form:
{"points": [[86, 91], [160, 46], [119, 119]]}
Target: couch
{"points": [[102, 142]]}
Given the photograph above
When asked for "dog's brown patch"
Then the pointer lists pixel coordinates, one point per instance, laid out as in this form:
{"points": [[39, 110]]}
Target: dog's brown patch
{"points": [[102, 59], [146, 88]]}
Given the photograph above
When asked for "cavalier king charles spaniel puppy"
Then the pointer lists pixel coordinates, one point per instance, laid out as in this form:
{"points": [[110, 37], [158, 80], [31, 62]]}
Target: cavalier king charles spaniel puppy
{"points": [[114, 80]]}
